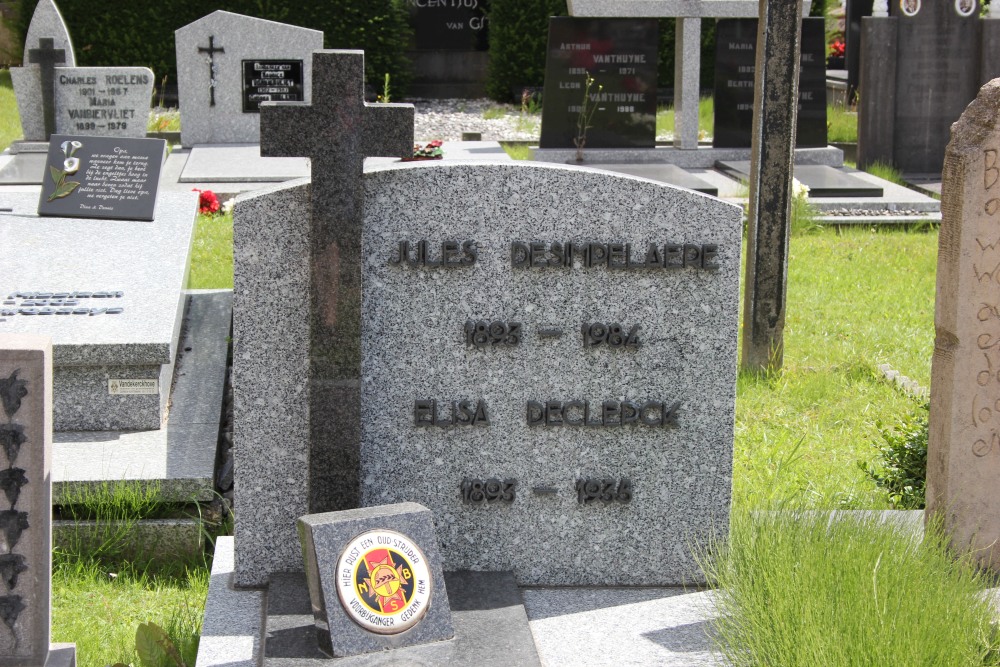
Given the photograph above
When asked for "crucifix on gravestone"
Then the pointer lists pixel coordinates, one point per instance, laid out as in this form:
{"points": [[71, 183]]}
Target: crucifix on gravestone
{"points": [[337, 131], [772, 155], [211, 50], [46, 56]]}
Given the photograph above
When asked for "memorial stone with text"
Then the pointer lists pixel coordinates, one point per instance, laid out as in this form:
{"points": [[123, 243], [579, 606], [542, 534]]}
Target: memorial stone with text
{"points": [[621, 57], [546, 361], [735, 61]]}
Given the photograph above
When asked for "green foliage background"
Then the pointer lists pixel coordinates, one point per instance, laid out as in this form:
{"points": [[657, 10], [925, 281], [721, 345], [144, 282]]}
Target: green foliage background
{"points": [[111, 32]]}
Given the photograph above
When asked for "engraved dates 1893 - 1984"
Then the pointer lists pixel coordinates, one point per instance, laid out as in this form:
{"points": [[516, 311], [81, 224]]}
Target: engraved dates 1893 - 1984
{"points": [[477, 491]]}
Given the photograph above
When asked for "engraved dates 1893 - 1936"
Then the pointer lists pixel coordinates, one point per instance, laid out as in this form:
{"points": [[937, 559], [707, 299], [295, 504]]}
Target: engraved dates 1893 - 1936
{"points": [[482, 492], [607, 490], [487, 334]]}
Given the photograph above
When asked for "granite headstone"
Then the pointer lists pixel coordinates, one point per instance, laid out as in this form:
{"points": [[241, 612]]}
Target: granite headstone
{"points": [[456, 25], [735, 57], [26, 517], [375, 579], [103, 101], [963, 449], [220, 102], [621, 56]]}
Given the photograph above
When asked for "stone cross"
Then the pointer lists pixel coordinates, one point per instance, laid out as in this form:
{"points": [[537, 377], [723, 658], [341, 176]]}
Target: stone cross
{"points": [[46, 56], [776, 95], [963, 454], [337, 131], [211, 50], [26, 504]]}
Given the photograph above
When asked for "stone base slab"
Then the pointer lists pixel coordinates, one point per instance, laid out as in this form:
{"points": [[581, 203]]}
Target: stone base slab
{"points": [[703, 157]]}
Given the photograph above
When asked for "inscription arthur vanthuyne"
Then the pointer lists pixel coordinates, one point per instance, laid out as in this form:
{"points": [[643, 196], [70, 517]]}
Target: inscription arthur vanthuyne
{"points": [[568, 254]]}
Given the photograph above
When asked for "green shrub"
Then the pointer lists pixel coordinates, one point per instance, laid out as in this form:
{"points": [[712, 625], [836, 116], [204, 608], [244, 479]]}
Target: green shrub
{"points": [[519, 32], [108, 32], [902, 471]]}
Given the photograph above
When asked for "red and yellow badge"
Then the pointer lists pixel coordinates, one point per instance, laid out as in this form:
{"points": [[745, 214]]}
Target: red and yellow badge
{"points": [[383, 581]]}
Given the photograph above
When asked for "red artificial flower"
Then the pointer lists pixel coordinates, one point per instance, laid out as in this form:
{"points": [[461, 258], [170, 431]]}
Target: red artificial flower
{"points": [[208, 203], [837, 48]]}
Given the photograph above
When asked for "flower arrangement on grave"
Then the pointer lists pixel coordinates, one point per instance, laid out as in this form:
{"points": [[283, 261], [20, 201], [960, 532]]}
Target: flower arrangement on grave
{"points": [[208, 203], [837, 48], [431, 151], [71, 165]]}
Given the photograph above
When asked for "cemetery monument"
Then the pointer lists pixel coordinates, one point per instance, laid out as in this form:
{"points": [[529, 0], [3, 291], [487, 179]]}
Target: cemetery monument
{"points": [[228, 64], [963, 449]]}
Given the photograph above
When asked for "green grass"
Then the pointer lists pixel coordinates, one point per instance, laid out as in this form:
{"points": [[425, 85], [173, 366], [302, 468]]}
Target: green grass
{"points": [[212, 253], [517, 151], [99, 610], [796, 590], [856, 299], [164, 120], [841, 125], [887, 172], [706, 119], [493, 113], [10, 120]]}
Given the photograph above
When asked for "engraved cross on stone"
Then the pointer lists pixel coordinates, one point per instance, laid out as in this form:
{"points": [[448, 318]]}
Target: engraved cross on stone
{"points": [[337, 132], [47, 57], [211, 50]]}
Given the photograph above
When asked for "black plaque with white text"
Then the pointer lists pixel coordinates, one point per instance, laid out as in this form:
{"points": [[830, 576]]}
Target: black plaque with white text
{"points": [[735, 59], [101, 177], [271, 81], [449, 25], [621, 56]]}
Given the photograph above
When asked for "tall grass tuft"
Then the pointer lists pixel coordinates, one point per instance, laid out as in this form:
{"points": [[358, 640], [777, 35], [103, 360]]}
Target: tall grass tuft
{"points": [[10, 119], [706, 119], [800, 589], [841, 125], [886, 172]]}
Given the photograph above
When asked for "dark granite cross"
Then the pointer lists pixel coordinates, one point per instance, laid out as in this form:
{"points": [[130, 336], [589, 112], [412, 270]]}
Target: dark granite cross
{"points": [[211, 50], [337, 132], [46, 56]]}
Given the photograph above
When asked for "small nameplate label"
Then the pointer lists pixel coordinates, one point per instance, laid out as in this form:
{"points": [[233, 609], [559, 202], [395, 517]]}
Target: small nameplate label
{"points": [[140, 386]]}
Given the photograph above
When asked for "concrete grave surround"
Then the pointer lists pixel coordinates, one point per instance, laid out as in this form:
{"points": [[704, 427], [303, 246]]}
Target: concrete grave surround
{"points": [[324, 538], [412, 349], [148, 265], [963, 457], [119, 100], [46, 23], [25, 456], [242, 38]]}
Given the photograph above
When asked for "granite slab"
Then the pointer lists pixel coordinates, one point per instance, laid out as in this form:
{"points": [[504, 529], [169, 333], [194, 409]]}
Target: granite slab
{"points": [[663, 173], [239, 163], [180, 457], [822, 180], [702, 157], [140, 269], [24, 169]]}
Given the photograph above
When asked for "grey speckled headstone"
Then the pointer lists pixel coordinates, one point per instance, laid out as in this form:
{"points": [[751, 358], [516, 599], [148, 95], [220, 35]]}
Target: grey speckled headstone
{"points": [[46, 23], [344, 553], [25, 504], [413, 347], [231, 39], [103, 101]]}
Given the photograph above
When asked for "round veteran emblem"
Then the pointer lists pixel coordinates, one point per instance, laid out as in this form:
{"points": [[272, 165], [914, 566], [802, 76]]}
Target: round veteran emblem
{"points": [[384, 582]]}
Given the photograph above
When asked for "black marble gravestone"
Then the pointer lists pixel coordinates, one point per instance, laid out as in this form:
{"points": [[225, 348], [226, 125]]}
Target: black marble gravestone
{"points": [[459, 25], [735, 55], [111, 178], [621, 56]]}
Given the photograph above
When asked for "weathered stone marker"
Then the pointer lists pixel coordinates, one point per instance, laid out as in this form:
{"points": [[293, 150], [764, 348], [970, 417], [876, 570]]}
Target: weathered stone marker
{"points": [[963, 458], [375, 579], [337, 134], [776, 95], [26, 514]]}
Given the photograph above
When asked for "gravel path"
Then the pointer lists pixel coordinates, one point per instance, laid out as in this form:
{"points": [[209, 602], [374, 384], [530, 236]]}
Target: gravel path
{"points": [[447, 119]]}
